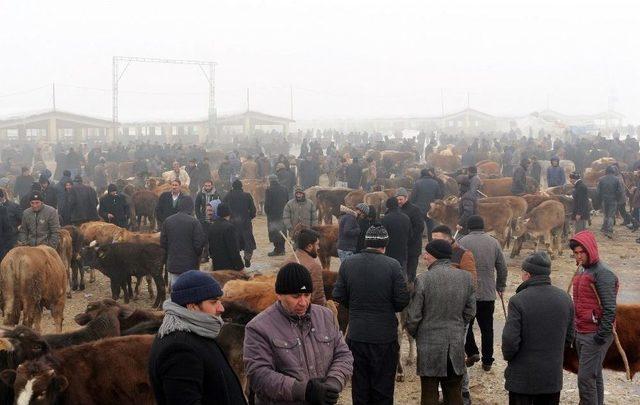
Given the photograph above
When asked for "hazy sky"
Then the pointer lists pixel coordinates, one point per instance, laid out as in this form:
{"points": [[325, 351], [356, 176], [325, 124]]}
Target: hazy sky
{"points": [[343, 58]]}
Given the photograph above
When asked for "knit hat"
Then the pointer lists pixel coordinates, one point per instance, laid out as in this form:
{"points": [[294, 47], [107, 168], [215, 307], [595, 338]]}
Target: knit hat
{"points": [[376, 236], [363, 207], [293, 278], [402, 192], [35, 196], [392, 203], [298, 189], [237, 184], [77, 179], [438, 248], [223, 210], [537, 264], [272, 178], [475, 223], [574, 176], [193, 287], [112, 188]]}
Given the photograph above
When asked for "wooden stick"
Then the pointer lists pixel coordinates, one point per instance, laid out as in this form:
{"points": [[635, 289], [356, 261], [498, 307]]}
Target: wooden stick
{"points": [[290, 244], [616, 339], [504, 310]]}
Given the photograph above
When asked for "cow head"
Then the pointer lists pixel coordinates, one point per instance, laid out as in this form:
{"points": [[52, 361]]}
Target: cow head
{"points": [[35, 383], [520, 227], [18, 345], [437, 209], [97, 308]]}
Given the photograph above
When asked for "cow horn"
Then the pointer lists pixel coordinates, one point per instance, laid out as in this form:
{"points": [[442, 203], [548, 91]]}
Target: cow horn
{"points": [[93, 243], [5, 345]]}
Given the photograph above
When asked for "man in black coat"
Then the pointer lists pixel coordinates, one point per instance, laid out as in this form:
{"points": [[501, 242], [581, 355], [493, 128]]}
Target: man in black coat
{"points": [[309, 172], [286, 178], [425, 191], [114, 208], [372, 286], [414, 246], [168, 202], [223, 242], [581, 212], [186, 363], [84, 203], [519, 179], [243, 210], [354, 174], [182, 238], [14, 217], [398, 226], [275, 198], [539, 326], [207, 194], [23, 184], [5, 232]]}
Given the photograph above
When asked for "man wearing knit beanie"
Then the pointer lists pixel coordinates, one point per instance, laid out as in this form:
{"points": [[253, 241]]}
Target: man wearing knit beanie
{"points": [[186, 364], [292, 323], [538, 326], [366, 277], [442, 305]]}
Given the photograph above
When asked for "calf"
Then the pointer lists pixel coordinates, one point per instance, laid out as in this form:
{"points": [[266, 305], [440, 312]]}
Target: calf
{"points": [[127, 316], [329, 202], [109, 371], [546, 221], [32, 278], [144, 206], [255, 295]]}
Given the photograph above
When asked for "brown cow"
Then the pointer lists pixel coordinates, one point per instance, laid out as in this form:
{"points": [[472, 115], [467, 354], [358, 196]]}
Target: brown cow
{"points": [[224, 276], [137, 237], [77, 272], [546, 221], [128, 317], [108, 371], [502, 186], [65, 251], [443, 162], [32, 278], [354, 198], [329, 202], [144, 205], [256, 188], [628, 328], [488, 168], [256, 295], [377, 199]]}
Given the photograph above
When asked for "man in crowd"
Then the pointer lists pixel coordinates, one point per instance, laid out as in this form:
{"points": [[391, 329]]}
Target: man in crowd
{"points": [[249, 169], [14, 217], [169, 201], [277, 376], [609, 192], [354, 174], [22, 187], [519, 184], [306, 254], [555, 173], [207, 194], [581, 212], [414, 244], [223, 242], [114, 208], [441, 307], [491, 270], [398, 227], [84, 203], [299, 210], [186, 364], [425, 191], [243, 210], [348, 232], [49, 194], [275, 199], [194, 176], [182, 237], [177, 173], [372, 286], [538, 327], [468, 204], [40, 224], [595, 290]]}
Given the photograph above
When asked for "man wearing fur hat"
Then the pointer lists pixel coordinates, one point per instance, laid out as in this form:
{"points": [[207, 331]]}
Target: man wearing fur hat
{"points": [[538, 326], [294, 352]]}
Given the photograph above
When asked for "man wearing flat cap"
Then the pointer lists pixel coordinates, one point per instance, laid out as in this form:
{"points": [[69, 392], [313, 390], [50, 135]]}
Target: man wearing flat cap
{"points": [[294, 352], [538, 326], [443, 304]]}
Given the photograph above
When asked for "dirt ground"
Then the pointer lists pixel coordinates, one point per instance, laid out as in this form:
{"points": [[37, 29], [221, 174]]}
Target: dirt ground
{"points": [[621, 254]]}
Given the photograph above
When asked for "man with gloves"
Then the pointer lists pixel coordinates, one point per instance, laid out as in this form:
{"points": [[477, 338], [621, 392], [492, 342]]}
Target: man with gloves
{"points": [[294, 352]]}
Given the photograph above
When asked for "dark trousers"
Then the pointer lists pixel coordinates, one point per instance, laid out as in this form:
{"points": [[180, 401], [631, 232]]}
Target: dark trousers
{"points": [[412, 267], [451, 388], [374, 372], [539, 399], [429, 226], [484, 316]]}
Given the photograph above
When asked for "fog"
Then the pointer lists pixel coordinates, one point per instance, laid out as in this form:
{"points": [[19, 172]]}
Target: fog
{"points": [[341, 58]]}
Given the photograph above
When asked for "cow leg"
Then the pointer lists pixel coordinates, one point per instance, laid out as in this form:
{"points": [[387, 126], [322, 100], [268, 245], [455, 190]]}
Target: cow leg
{"points": [[81, 271], [149, 285], [12, 309], [57, 313], [400, 368], [115, 290], [161, 291], [74, 276], [517, 245], [137, 288], [92, 274], [28, 313]]}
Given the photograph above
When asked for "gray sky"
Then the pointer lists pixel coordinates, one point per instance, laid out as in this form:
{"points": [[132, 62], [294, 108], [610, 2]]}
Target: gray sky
{"points": [[343, 58]]}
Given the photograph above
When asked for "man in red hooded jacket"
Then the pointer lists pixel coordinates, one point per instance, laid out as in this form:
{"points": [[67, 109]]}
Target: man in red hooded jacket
{"points": [[595, 288]]}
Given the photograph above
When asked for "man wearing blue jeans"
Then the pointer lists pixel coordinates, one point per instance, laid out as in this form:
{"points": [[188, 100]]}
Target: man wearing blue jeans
{"points": [[349, 230]]}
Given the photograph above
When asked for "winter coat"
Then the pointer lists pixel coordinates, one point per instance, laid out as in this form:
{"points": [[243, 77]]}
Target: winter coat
{"points": [[519, 184], [354, 175], [443, 304], [5, 232], [463, 259], [363, 224], [590, 315], [116, 206], [491, 267], [14, 218], [287, 179], [100, 176], [315, 268], [275, 199], [202, 200], [467, 206], [373, 287], [414, 244], [243, 210], [556, 176], [185, 368], [538, 326], [398, 226], [22, 186], [581, 201], [183, 176], [609, 188], [309, 173], [64, 208], [283, 352], [425, 191], [166, 206], [348, 230], [40, 227], [84, 204], [223, 246], [182, 237], [535, 171], [299, 212]]}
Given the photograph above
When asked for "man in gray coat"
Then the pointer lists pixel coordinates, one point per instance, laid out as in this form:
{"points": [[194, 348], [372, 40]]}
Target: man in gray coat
{"points": [[299, 210], [443, 303], [40, 224], [539, 325], [491, 270]]}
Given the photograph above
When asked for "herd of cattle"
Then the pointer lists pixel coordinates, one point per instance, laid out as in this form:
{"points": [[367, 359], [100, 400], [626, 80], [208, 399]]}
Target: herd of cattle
{"points": [[105, 360]]}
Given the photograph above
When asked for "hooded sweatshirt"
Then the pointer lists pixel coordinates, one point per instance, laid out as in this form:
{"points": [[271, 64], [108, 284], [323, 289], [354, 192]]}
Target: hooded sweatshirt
{"points": [[590, 315]]}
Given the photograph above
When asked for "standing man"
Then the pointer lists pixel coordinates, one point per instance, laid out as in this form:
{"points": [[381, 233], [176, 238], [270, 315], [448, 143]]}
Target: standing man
{"points": [[555, 173], [249, 169], [372, 286], [354, 174], [114, 208], [609, 192], [426, 190], [491, 270], [243, 210], [519, 179], [442, 305], [306, 254], [414, 244], [168, 202], [299, 210], [186, 364], [177, 173], [538, 327], [84, 203], [182, 237], [398, 228], [22, 187], [595, 290], [535, 171], [223, 242], [581, 212], [14, 217], [194, 176], [348, 232], [293, 351], [40, 224], [275, 199], [468, 204], [207, 194]]}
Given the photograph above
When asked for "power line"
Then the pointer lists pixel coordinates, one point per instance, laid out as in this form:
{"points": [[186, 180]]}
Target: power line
{"points": [[17, 93]]}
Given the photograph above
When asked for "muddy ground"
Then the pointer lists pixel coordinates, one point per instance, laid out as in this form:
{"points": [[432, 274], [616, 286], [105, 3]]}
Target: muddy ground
{"points": [[621, 254]]}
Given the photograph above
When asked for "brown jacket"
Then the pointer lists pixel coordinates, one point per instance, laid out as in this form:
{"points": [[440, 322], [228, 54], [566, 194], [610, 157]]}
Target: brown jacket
{"points": [[314, 267], [463, 259]]}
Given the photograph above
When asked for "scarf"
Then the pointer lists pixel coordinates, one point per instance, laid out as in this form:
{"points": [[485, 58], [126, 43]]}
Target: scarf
{"points": [[178, 318]]}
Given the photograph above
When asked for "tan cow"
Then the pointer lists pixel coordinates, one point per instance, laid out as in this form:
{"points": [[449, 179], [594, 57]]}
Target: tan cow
{"points": [[354, 198], [256, 187], [32, 278], [65, 251], [136, 237], [443, 162], [545, 222]]}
